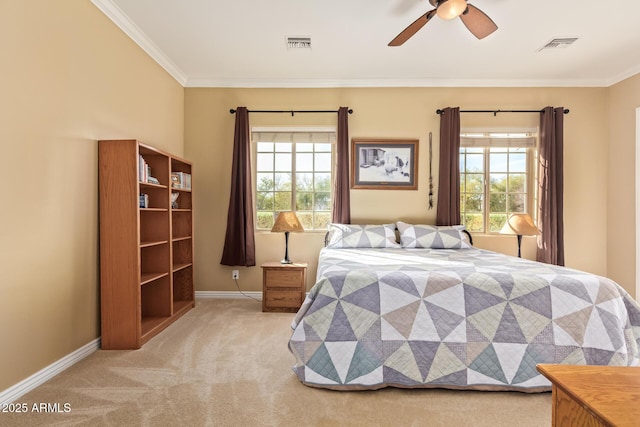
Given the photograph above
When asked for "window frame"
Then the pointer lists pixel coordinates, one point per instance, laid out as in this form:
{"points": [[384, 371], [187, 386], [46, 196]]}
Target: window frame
{"points": [[531, 172], [298, 131]]}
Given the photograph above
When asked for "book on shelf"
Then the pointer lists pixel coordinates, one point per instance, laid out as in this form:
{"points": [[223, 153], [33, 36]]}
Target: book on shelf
{"points": [[181, 180], [144, 170], [144, 200]]}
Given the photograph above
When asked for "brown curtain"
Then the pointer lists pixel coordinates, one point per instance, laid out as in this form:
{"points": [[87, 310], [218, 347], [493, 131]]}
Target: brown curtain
{"points": [[448, 211], [341, 200], [550, 187], [239, 241]]}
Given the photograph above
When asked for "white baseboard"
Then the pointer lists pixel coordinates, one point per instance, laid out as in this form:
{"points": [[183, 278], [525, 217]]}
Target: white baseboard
{"points": [[23, 387], [229, 294]]}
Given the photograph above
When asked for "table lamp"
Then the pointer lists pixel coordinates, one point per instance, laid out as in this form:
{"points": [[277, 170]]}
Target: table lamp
{"points": [[520, 224], [287, 222]]}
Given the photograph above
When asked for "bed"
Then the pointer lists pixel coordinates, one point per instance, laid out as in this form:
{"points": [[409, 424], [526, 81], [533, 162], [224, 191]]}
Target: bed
{"points": [[435, 312]]}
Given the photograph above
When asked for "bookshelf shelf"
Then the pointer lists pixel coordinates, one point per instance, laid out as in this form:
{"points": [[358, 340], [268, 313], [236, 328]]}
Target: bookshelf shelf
{"points": [[146, 272]]}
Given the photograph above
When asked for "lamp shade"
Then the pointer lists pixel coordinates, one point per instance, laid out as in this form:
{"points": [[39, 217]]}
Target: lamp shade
{"points": [[449, 9], [520, 224], [287, 221]]}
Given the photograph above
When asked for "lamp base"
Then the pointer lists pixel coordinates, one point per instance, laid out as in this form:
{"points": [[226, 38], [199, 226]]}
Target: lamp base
{"points": [[519, 244], [286, 259]]}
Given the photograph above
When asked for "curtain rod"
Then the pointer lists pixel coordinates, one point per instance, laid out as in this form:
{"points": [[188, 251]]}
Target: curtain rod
{"points": [[232, 111], [495, 112]]}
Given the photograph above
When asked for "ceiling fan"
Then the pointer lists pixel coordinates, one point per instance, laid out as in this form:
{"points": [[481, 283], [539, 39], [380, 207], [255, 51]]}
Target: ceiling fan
{"points": [[473, 18]]}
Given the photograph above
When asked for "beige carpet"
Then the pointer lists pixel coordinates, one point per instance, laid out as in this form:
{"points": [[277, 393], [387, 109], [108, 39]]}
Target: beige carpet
{"points": [[226, 363]]}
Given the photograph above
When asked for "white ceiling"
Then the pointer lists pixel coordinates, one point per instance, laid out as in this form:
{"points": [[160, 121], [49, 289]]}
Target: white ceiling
{"points": [[241, 43]]}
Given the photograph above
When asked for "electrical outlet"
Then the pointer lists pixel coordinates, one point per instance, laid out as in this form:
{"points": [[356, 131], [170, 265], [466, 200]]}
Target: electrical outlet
{"points": [[235, 274]]}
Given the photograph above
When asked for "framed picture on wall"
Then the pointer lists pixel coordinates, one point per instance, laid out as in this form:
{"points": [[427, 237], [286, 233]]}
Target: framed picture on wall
{"points": [[384, 164]]}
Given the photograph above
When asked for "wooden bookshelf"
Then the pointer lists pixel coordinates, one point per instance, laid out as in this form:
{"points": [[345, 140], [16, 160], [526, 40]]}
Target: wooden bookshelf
{"points": [[146, 252]]}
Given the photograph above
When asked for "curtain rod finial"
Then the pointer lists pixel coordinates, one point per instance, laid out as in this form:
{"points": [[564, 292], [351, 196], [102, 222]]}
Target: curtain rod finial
{"points": [[232, 111]]}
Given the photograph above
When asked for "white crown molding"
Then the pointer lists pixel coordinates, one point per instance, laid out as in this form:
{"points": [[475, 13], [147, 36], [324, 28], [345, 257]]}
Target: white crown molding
{"points": [[23, 387], [123, 22], [624, 75], [365, 83]]}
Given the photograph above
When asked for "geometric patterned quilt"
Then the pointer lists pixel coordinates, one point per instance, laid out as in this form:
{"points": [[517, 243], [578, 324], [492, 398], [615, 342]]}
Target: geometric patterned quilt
{"points": [[455, 318]]}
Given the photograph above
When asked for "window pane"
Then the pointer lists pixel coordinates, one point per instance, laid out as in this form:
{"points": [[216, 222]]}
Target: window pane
{"points": [[475, 163], [497, 202], [282, 201], [323, 162], [304, 201], [304, 147], [306, 219], [304, 162], [265, 146], [283, 181], [517, 162], [498, 182], [323, 148], [474, 183], [496, 222], [322, 201], [283, 162], [516, 202], [304, 181], [265, 220], [322, 220], [264, 162], [498, 162], [517, 183], [473, 202], [283, 147], [322, 182], [473, 222], [265, 182], [264, 201]]}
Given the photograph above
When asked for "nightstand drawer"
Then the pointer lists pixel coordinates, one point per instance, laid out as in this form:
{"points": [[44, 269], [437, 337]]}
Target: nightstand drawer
{"points": [[288, 299], [284, 278]]}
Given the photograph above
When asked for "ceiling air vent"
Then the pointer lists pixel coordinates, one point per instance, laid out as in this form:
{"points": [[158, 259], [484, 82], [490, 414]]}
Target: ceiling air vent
{"points": [[558, 43], [298, 42]]}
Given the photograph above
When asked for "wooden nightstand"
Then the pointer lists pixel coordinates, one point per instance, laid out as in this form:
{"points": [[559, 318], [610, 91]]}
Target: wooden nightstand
{"points": [[283, 286], [593, 395]]}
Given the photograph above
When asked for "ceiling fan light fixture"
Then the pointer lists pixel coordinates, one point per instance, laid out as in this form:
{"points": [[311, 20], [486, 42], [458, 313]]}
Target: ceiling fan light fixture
{"points": [[449, 9]]}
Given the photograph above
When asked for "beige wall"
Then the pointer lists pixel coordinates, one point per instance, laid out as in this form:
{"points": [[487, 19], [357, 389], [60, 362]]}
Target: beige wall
{"points": [[623, 100], [393, 113], [69, 78]]}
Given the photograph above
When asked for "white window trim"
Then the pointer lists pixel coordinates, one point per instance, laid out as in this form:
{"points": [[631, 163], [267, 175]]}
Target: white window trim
{"points": [[532, 180], [288, 129]]}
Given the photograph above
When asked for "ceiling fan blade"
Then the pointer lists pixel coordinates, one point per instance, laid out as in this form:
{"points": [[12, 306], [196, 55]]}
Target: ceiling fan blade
{"points": [[408, 32], [478, 22]]}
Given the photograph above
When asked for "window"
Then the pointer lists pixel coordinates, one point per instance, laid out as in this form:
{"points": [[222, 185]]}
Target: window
{"points": [[496, 178], [294, 171]]}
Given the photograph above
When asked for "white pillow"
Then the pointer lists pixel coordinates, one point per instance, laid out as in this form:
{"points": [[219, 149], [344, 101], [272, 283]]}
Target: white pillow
{"points": [[362, 236], [432, 236]]}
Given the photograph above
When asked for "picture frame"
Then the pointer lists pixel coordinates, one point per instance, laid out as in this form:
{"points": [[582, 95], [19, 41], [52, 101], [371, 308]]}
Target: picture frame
{"points": [[384, 164]]}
